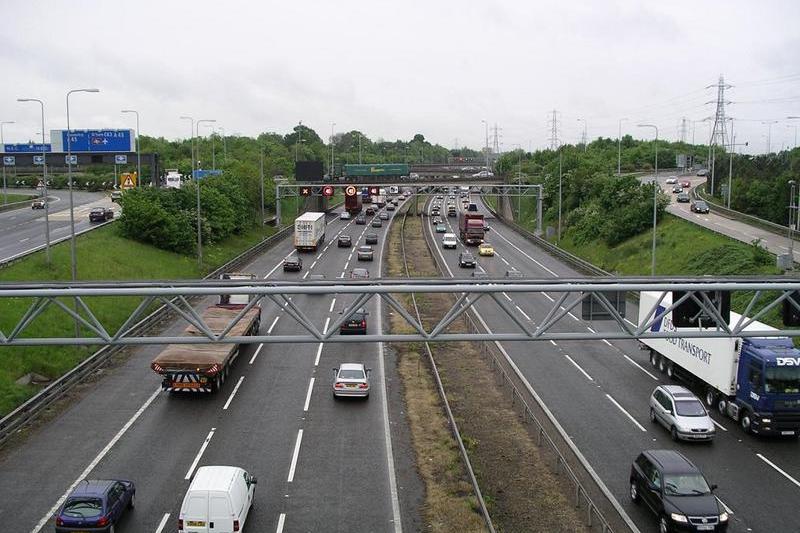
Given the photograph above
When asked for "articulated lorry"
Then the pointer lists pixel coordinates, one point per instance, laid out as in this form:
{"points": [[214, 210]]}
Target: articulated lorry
{"points": [[753, 380], [470, 225], [309, 231], [352, 200], [204, 367]]}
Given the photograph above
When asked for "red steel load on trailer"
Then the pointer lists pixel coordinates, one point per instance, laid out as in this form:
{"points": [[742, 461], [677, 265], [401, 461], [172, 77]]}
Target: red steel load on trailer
{"points": [[470, 225], [352, 200]]}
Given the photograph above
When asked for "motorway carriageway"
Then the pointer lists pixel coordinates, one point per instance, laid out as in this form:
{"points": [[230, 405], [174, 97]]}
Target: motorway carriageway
{"points": [[599, 392], [322, 465]]}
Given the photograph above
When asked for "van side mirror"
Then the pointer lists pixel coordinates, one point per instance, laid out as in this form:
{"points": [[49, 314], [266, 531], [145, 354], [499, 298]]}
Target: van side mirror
{"points": [[335, 370], [254, 480], [714, 486]]}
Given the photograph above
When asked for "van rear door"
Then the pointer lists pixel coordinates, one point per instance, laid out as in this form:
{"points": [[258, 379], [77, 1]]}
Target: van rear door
{"points": [[195, 513], [220, 513]]}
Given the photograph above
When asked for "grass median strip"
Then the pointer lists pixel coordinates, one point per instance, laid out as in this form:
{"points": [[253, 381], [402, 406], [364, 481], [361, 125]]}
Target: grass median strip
{"points": [[521, 491], [101, 255]]}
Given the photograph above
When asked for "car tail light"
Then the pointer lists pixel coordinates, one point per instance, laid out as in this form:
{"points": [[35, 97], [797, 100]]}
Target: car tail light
{"points": [[338, 385], [362, 385], [180, 524], [59, 521], [102, 522], [363, 323], [236, 525]]}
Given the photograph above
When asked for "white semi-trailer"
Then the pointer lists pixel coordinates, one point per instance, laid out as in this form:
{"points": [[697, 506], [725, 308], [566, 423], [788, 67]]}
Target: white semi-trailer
{"points": [[309, 231], [753, 380]]}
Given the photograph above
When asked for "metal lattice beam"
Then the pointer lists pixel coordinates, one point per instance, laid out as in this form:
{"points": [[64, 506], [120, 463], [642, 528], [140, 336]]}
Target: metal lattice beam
{"points": [[763, 296]]}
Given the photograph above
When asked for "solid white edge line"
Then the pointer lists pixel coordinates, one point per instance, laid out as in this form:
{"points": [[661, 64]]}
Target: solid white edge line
{"points": [[576, 365], [295, 455], [507, 297], [720, 426], [590, 329], [272, 326], [308, 394], [99, 457], [727, 509], [163, 523], [576, 319], [520, 250], [778, 469], [626, 413], [199, 454], [281, 520], [605, 341], [233, 393], [319, 352], [258, 350]]}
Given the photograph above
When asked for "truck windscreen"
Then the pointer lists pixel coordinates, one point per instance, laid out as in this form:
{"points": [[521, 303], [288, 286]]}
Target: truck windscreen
{"points": [[782, 380]]}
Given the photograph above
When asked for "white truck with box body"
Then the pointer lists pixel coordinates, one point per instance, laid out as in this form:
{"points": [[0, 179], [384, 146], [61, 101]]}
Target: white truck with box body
{"points": [[309, 231], [753, 380], [173, 179]]}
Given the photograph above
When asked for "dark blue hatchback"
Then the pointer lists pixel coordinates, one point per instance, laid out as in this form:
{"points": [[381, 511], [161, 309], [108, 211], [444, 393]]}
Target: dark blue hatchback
{"points": [[95, 505]]}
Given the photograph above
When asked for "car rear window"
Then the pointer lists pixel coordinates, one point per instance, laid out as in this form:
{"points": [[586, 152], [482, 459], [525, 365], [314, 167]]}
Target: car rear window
{"points": [[83, 507], [364, 249], [351, 374]]}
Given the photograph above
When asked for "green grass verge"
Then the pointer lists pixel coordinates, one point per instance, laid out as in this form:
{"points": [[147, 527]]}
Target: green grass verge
{"points": [[102, 255], [11, 198]]}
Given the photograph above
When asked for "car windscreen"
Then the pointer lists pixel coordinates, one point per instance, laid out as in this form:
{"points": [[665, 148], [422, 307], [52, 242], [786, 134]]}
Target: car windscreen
{"points": [[782, 380], [701, 204], [685, 485], [351, 374], [689, 408], [83, 507]]}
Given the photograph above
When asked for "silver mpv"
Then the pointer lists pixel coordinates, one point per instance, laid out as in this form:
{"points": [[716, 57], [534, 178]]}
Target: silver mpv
{"points": [[678, 410]]}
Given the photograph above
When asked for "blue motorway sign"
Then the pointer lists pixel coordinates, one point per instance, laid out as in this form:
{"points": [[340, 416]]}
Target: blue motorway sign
{"points": [[93, 140], [198, 174], [25, 148], [9, 161], [38, 160], [70, 159]]}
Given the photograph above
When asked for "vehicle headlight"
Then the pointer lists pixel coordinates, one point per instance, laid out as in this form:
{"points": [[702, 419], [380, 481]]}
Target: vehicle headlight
{"points": [[766, 420], [679, 518], [723, 517]]}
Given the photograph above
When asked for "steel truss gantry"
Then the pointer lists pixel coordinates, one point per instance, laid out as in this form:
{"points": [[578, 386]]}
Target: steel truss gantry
{"points": [[48, 303]]}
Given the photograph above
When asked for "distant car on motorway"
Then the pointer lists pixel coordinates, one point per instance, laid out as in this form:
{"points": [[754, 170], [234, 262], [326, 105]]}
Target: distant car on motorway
{"points": [[39, 203], [293, 263], [370, 211], [377, 223], [390, 207], [384, 215], [351, 379], [678, 410], [449, 240], [483, 174], [683, 198], [364, 253], [441, 228], [101, 214], [486, 249], [677, 189], [95, 505], [344, 216], [359, 273], [361, 220], [344, 241], [371, 238], [702, 172], [699, 206], [466, 260], [672, 180], [686, 184], [486, 226], [356, 323], [677, 492]]}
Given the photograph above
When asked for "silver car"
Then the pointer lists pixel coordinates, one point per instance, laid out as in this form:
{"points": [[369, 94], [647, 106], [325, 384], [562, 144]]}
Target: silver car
{"points": [[678, 410], [351, 379]]}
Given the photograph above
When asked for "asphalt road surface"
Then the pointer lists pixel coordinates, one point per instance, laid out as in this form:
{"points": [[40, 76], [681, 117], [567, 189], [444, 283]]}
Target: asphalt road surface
{"points": [[599, 390], [24, 229], [322, 465]]}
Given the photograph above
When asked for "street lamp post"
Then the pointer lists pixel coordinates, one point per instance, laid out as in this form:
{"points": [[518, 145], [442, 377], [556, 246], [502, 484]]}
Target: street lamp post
{"points": [[138, 148], [558, 239], [3, 142], [224, 146], [199, 234], [792, 209], [769, 124], [619, 148], [655, 200], [44, 182], [213, 151], [262, 186]]}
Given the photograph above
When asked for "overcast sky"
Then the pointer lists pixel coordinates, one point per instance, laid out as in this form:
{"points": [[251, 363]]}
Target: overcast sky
{"points": [[392, 69]]}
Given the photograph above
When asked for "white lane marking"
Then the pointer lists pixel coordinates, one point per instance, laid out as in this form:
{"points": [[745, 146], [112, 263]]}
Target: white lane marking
{"points": [[38, 527], [278, 265], [520, 250], [281, 520], [638, 425], [778, 469], [590, 329], [507, 297], [319, 353], [199, 454], [553, 343], [523, 312], [313, 264], [727, 509], [547, 296], [327, 323], [320, 255], [308, 395], [503, 259], [341, 275], [163, 523], [346, 265], [629, 322], [333, 302], [576, 319], [306, 274], [720, 426], [253, 359], [295, 455], [576, 365], [349, 257], [25, 239], [605, 341], [637, 365], [233, 393], [269, 331]]}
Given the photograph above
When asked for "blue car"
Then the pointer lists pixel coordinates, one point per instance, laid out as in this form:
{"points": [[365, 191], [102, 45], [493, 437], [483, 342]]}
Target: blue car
{"points": [[95, 505]]}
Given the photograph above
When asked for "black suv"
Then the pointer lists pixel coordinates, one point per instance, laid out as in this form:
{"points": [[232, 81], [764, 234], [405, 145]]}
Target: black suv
{"points": [[292, 264], [676, 490], [466, 259], [699, 207], [344, 241], [371, 238]]}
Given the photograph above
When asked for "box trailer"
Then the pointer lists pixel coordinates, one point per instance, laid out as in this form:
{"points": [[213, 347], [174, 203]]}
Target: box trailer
{"points": [[753, 380], [470, 225], [309, 231]]}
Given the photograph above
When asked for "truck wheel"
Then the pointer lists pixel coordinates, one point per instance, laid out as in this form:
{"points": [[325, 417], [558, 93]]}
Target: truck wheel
{"points": [[653, 359], [711, 398], [662, 364], [670, 370], [746, 421], [722, 406]]}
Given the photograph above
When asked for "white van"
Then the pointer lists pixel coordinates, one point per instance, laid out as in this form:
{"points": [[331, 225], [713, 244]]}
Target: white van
{"points": [[218, 500], [449, 240]]}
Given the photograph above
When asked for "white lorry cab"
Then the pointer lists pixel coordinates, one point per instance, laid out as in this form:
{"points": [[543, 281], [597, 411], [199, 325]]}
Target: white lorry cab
{"points": [[218, 500]]}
